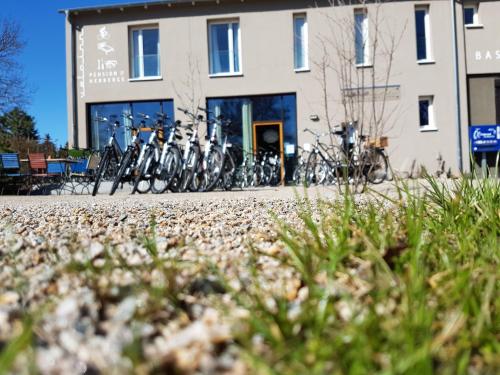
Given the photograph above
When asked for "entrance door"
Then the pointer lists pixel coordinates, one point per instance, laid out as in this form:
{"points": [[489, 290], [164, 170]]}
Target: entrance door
{"points": [[268, 137]]}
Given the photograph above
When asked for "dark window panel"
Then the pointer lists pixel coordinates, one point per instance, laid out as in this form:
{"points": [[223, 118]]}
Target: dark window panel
{"points": [[468, 16], [420, 32]]}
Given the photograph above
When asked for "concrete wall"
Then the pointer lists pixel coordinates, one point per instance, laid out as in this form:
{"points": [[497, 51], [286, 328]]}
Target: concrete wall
{"points": [[267, 65], [482, 42]]}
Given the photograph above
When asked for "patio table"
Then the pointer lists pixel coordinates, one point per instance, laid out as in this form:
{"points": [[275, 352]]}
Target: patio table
{"points": [[65, 172]]}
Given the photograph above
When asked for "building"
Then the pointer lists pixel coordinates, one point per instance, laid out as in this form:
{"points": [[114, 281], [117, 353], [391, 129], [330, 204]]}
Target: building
{"points": [[419, 72]]}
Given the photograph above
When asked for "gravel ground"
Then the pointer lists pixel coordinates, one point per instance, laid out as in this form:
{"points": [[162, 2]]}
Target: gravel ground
{"points": [[125, 283]]}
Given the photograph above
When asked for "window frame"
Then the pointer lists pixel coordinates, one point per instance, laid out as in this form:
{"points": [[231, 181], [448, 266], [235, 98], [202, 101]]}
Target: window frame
{"points": [[304, 43], [475, 17], [141, 76], [431, 126], [365, 30], [232, 72], [429, 58]]}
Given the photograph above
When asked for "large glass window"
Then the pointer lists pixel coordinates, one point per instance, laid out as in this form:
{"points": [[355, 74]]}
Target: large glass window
{"points": [[245, 111], [100, 131], [300, 42], [361, 36], [224, 48], [422, 29], [145, 52]]}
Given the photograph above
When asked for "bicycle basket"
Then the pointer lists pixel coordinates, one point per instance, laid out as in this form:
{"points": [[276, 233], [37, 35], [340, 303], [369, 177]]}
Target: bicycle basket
{"points": [[380, 142]]}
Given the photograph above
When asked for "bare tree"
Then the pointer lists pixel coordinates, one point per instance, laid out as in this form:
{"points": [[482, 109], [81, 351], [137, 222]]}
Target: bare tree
{"points": [[365, 87], [13, 90], [190, 90]]}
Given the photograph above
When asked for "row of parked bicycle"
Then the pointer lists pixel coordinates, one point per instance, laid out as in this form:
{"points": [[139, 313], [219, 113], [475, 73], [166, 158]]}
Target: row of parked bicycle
{"points": [[352, 160], [162, 163]]}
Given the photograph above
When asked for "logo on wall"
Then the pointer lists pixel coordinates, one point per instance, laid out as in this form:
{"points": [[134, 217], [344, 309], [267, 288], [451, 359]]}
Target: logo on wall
{"points": [[107, 65]]}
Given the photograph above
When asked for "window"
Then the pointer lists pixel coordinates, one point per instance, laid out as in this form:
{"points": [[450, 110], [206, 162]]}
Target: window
{"points": [[145, 52], [471, 16], [300, 42], [244, 111], [99, 132], [361, 36], [224, 48], [422, 25], [426, 113]]}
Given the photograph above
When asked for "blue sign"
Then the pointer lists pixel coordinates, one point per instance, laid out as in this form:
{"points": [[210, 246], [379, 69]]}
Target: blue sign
{"points": [[484, 138]]}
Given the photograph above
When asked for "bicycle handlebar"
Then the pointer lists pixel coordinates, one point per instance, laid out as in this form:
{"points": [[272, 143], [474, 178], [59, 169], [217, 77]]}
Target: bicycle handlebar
{"points": [[205, 110], [144, 116]]}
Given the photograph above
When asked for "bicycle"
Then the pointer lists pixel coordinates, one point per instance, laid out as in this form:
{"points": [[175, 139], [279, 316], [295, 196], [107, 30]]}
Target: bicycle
{"points": [[320, 163], [111, 156], [170, 164], [249, 173], [363, 160], [149, 158], [377, 160], [299, 171], [192, 151], [218, 163], [129, 159]]}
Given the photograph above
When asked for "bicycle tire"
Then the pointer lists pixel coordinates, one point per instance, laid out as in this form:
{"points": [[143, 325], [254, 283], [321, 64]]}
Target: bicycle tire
{"points": [[124, 164], [297, 175], [257, 175], [323, 172], [103, 165], [190, 170], [170, 170], [267, 174], [377, 158], [214, 167], [142, 172], [357, 179], [228, 175], [310, 174]]}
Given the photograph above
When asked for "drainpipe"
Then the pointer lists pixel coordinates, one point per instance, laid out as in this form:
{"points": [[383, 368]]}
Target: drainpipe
{"points": [[457, 85], [74, 91]]}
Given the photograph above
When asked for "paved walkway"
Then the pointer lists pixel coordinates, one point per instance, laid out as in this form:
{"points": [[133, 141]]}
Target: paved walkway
{"points": [[261, 193]]}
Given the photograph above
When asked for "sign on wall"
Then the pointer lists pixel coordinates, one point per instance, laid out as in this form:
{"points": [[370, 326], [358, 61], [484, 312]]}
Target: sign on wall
{"points": [[107, 69], [485, 138], [80, 58], [486, 55], [375, 93]]}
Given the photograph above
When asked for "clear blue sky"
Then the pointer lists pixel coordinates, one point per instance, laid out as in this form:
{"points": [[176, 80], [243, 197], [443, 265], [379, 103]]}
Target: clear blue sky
{"points": [[44, 57]]}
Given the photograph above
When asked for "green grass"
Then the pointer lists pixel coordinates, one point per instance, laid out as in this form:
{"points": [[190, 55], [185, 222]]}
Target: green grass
{"points": [[394, 286], [406, 284]]}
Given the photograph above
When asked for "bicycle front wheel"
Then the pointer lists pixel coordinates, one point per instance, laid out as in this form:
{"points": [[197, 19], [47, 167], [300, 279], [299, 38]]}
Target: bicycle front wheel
{"points": [[378, 167], [124, 164], [142, 182], [168, 172], [228, 174], [214, 167], [311, 169], [101, 170], [189, 170]]}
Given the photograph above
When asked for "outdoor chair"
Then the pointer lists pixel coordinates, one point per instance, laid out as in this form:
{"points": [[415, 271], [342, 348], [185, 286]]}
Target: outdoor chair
{"points": [[10, 172], [38, 171], [57, 174], [83, 172]]}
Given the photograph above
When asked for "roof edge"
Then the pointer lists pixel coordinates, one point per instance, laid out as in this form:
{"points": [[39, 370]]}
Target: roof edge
{"points": [[142, 4]]}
